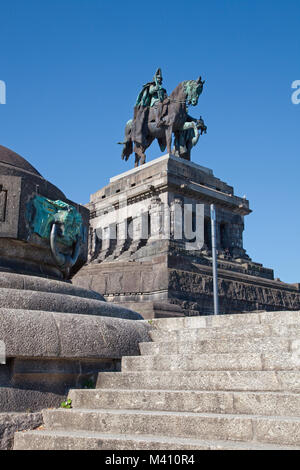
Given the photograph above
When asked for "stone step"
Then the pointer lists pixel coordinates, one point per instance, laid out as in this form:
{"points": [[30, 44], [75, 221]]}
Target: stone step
{"points": [[280, 381], [197, 334], [225, 382], [61, 303], [205, 321], [40, 284], [273, 430], [259, 403], [84, 440], [225, 361], [227, 321], [267, 345], [12, 422]]}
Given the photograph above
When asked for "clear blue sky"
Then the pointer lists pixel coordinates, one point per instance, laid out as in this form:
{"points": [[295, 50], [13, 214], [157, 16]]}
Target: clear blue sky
{"points": [[73, 69]]}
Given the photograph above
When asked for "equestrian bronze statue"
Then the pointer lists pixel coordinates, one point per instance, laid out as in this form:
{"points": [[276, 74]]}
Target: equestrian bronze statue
{"points": [[159, 116]]}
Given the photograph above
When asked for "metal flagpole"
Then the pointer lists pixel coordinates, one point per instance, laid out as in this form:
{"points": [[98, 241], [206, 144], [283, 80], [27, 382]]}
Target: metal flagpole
{"points": [[214, 258]]}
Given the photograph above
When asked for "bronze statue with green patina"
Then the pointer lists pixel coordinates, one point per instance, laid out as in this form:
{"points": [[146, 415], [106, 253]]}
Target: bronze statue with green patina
{"points": [[152, 96], [158, 116], [186, 139]]}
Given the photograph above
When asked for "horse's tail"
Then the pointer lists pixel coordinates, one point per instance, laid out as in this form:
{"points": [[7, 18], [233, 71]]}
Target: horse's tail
{"points": [[127, 144]]}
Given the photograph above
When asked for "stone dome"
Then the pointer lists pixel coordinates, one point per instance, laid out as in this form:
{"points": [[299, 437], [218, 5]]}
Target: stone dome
{"points": [[21, 250], [8, 157], [12, 164]]}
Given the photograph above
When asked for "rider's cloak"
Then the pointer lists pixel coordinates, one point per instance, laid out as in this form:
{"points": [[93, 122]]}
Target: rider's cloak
{"points": [[144, 97]]}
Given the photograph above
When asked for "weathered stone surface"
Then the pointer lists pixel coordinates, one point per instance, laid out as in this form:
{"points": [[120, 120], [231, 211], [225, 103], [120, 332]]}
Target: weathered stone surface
{"points": [[58, 335], [223, 361], [279, 318], [237, 292], [200, 380], [52, 302], [267, 403], [165, 268], [195, 425], [160, 400], [289, 380], [236, 321], [48, 353], [20, 249], [215, 399], [283, 361], [12, 422], [197, 362], [22, 399], [189, 287], [284, 431], [55, 335], [25, 282], [174, 424], [212, 321], [84, 440], [197, 334], [207, 346], [259, 403], [34, 384]]}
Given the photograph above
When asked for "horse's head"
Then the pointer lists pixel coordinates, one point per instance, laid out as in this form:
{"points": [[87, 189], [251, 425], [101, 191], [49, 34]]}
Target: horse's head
{"points": [[193, 89]]}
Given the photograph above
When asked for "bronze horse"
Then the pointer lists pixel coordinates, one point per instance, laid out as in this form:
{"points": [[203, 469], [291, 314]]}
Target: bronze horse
{"points": [[141, 131]]}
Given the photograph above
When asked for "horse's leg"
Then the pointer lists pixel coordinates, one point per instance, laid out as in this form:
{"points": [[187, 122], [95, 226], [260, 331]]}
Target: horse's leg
{"points": [[140, 150], [169, 139], [136, 153], [140, 156], [143, 157], [149, 141]]}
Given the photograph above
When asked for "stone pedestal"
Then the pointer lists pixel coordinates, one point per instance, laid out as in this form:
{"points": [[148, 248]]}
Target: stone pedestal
{"points": [[56, 335], [163, 266], [21, 249]]}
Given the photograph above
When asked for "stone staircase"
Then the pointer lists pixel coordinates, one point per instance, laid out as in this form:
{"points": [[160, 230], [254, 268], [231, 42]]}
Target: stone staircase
{"points": [[226, 382]]}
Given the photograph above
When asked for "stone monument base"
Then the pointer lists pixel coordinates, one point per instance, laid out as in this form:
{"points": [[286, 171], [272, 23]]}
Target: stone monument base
{"points": [[136, 257], [53, 335], [58, 336], [182, 285]]}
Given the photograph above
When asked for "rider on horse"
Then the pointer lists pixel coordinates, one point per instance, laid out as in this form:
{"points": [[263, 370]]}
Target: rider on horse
{"points": [[157, 116], [151, 97]]}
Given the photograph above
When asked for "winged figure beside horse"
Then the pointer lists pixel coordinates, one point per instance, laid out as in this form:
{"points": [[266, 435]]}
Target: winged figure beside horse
{"points": [[158, 116]]}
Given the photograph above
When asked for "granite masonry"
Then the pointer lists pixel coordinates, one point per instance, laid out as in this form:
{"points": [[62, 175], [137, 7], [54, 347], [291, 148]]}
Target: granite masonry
{"points": [[55, 335], [143, 254], [226, 382]]}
